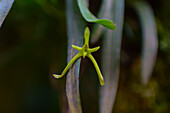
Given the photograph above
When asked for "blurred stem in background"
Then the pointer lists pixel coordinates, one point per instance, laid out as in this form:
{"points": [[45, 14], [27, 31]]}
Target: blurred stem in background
{"points": [[75, 37]]}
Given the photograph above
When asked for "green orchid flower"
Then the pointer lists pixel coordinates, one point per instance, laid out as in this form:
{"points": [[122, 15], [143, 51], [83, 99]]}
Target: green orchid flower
{"points": [[83, 52]]}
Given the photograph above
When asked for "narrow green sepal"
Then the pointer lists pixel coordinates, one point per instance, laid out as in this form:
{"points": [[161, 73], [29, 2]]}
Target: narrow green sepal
{"points": [[86, 36], [97, 69], [94, 49], [68, 66], [76, 47]]}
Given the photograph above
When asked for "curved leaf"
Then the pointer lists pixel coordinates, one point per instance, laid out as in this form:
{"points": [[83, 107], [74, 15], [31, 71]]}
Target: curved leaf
{"points": [[98, 30], [150, 42], [5, 6], [111, 57], [89, 17]]}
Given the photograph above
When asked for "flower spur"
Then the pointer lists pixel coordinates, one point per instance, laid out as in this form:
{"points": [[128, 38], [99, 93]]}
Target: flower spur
{"points": [[83, 52]]}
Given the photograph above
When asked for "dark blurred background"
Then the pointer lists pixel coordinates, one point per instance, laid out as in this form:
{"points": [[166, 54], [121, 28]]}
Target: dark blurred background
{"points": [[33, 45]]}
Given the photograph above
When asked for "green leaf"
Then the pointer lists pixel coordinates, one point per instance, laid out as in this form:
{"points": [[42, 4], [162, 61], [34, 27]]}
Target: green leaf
{"points": [[98, 29], [5, 6], [89, 17], [76, 28], [150, 42], [111, 57]]}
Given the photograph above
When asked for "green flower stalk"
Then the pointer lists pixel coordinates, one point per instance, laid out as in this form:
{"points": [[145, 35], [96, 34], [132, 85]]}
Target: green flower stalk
{"points": [[83, 52]]}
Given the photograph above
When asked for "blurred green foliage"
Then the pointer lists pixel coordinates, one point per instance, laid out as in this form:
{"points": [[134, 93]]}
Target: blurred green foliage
{"points": [[33, 45]]}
